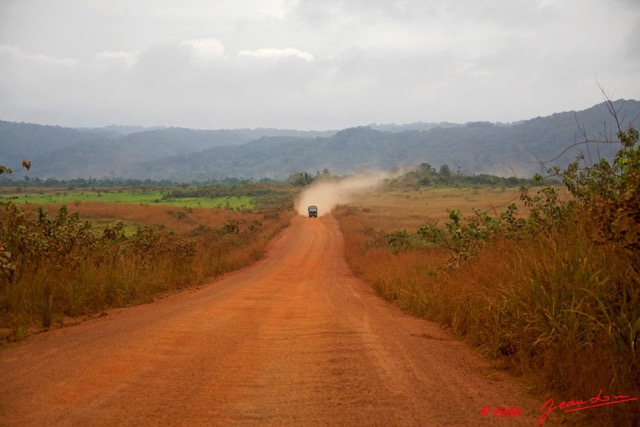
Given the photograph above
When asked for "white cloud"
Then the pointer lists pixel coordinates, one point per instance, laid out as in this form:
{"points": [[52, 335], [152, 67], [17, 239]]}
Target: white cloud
{"points": [[17, 53], [127, 59], [271, 53], [205, 49]]}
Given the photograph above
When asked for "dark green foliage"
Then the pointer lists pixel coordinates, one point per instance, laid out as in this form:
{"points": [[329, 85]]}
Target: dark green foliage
{"points": [[300, 179], [426, 176]]}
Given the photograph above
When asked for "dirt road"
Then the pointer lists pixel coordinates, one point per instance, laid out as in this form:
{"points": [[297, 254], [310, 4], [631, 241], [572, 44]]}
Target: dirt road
{"points": [[293, 340]]}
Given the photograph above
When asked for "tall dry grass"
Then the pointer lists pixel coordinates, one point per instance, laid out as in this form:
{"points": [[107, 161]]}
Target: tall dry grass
{"points": [[55, 265], [558, 307]]}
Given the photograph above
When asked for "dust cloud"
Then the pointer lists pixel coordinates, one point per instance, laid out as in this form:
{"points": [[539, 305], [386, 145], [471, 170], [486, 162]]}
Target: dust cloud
{"points": [[327, 194]]}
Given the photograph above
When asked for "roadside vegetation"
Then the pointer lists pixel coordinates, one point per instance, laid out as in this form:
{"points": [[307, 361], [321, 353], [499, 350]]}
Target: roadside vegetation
{"points": [[59, 262], [548, 284], [243, 196]]}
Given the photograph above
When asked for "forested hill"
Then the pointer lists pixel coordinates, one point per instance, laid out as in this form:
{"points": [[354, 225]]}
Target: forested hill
{"points": [[188, 154]]}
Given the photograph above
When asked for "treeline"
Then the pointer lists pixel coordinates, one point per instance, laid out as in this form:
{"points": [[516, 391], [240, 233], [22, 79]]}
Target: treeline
{"points": [[27, 182], [426, 175], [266, 196], [302, 179], [423, 175]]}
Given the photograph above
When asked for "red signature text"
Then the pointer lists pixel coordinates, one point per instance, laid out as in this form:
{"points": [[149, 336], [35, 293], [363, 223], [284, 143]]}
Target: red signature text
{"points": [[580, 405], [501, 412]]}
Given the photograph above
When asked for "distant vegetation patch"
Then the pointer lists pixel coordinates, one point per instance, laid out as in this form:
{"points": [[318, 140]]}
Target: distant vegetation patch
{"points": [[160, 197]]}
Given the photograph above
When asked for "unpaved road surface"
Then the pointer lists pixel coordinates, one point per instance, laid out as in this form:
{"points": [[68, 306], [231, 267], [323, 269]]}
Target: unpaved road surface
{"points": [[294, 340]]}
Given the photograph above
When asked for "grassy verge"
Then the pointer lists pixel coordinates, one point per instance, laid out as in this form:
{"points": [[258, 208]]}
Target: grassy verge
{"points": [[55, 264], [556, 305]]}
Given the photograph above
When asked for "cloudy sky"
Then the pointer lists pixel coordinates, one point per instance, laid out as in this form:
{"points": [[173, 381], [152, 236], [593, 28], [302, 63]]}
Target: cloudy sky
{"points": [[311, 64]]}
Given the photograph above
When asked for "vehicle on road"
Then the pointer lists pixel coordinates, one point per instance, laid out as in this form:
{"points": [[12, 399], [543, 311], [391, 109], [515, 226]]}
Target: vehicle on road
{"points": [[313, 211]]}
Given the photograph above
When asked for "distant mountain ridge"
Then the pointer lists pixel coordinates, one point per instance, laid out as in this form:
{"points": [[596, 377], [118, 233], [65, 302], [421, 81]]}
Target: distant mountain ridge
{"points": [[180, 154]]}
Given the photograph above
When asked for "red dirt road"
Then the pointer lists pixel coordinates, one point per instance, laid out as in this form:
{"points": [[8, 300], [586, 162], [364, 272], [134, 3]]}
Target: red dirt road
{"points": [[293, 340]]}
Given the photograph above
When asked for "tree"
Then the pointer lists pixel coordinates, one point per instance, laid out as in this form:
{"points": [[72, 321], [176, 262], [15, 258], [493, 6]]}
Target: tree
{"points": [[300, 179], [25, 164], [445, 171]]}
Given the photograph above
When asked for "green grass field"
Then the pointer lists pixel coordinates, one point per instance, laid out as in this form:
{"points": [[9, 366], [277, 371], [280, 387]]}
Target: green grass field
{"points": [[127, 196]]}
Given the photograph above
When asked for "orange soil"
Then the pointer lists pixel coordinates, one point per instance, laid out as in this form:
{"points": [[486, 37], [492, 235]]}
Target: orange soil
{"points": [[295, 339]]}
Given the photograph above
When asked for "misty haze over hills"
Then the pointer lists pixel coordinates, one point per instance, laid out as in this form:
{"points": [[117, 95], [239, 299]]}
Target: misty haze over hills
{"points": [[179, 154]]}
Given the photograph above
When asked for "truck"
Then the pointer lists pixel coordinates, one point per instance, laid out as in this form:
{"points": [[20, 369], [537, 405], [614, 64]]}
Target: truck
{"points": [[313, 211]]}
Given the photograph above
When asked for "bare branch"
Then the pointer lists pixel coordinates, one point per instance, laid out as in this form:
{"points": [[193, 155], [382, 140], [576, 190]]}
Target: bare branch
{"points": [[570, 147], [611, 107]]}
